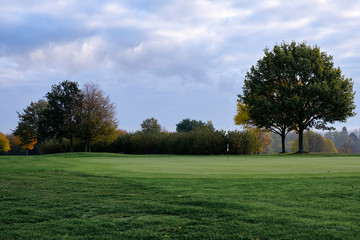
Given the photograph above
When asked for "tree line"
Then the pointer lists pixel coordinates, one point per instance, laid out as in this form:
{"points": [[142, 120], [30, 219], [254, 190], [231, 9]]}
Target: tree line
{"points": [[192, 137], [73, 119], [67, 113], [293, 88]]}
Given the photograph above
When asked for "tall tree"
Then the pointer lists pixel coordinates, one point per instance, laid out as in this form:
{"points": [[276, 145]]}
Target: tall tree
{"points": [[30, 128], [64, 99], [296, 86], [95, 116]]}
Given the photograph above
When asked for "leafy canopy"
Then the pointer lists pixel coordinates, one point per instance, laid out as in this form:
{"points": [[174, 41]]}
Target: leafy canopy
{"points": [[187, 125], [296, 87], [150, 125]]}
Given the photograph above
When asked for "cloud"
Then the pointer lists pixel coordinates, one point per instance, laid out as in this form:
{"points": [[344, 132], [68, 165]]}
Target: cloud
{"points": [[169, 46], [164, 38]]}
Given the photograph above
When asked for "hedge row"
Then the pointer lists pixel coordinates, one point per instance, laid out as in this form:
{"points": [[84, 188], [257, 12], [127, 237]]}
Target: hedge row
{"points": [[201, 141]]}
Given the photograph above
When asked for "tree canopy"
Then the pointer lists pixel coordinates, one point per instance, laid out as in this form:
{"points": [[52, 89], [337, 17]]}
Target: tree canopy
{"points": [[30, 128], [63, 100], [150, 125], [296, 87], [96, 116], [187, 125]]}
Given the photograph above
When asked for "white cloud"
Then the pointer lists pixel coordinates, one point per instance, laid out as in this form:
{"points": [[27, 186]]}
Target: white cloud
{"points": [[76, 56], [166, 45]]}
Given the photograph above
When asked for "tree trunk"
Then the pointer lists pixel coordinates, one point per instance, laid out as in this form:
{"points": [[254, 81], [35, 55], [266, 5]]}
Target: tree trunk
{"points": [[87, 146], [71, 144], [301, 145], [283, 143]]}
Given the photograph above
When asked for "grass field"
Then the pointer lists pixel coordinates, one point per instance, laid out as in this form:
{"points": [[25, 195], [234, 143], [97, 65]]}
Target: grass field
{"points": [[112, 196]]}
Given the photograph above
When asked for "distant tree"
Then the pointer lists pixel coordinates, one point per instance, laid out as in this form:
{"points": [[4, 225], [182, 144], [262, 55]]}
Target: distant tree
{"points": [[356, 142], [345, 131], [276, 143], [331, 146], [95, 117], [187, 125], [4, 143], [346, 147], [314, 142], [15, 143], [210, 125], [63, 101], [31, 127], [339, 137], [150, 125], [263, 140], [296, 87]]}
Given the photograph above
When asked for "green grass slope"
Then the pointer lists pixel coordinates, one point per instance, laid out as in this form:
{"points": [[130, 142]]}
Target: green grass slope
{"points": [[112, 196]]}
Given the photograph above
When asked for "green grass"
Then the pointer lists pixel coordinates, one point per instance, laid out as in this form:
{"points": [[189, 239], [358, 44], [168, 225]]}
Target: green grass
{"points": [[112, 196]]}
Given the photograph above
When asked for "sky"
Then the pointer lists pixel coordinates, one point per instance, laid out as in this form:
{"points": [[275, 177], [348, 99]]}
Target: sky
{"points": [[169, 60]]}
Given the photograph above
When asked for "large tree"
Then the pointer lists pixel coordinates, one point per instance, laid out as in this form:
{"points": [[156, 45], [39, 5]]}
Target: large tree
{"points": [[95, 116], [63, 101], [296, 87]]}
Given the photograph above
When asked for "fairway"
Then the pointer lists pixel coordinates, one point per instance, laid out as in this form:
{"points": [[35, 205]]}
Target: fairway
{"points": [[113, 196], [150, 166]]}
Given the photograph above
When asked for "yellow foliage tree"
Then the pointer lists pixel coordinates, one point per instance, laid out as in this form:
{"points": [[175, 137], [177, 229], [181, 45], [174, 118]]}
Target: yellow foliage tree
{"points": [[242, 117], [4, 143], [28, 143]]}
